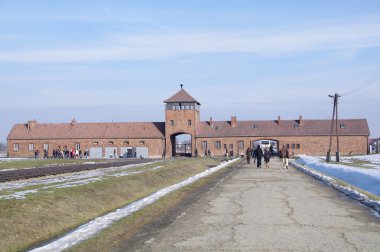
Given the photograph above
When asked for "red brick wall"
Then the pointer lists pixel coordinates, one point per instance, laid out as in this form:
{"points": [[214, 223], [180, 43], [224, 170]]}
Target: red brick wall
{"points": [[311, 145], [155, 146], [180, 118]]}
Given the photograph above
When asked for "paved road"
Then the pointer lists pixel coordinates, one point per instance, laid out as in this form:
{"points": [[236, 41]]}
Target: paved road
{"points": [[269, 210]]}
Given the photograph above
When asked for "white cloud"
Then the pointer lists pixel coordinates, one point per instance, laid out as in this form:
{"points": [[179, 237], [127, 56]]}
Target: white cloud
{"points": [[165, 45]]}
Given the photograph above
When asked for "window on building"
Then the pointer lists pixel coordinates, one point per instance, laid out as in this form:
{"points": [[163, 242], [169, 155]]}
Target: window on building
{"points": [[216, 127], [126, 142], [46, 146], [224, 146], [231, 146], [293, 146], [342, 126], [142, 142], [77, 146], [96, 143], [298, 146], [288, 146], [31, 147], [241, 144], [296, 125], [204, 145], [218, 145], [255, 126], [189, 122], [110, 143], [16, 147], [171, 122]]}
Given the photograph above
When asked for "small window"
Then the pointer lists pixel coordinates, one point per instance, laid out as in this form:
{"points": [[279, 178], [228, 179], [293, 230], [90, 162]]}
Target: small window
{"points": [[31, 147], [126, 142], [171, 122], [224, 146], [293, 146], [241, 144], [216, 127], [110, 143], [288, 146], [46, 146], [231, 146], [255, 126], [298, 146], [189, 122], [77, 146], [342, 126], [204, 145], [296, 125], [218, 145], [16, 147], [96, 143], [142, 142]]}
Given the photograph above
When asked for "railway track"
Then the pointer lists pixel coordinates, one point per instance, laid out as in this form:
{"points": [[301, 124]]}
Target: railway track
{"points": [[19, 174]]}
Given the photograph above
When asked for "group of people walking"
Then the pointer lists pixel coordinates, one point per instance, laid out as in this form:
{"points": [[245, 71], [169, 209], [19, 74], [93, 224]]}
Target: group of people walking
{"points": [[258, 153]]}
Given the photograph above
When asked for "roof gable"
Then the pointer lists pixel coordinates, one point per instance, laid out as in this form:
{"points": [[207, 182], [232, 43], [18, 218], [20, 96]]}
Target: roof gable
{"points": [[181, 96]]}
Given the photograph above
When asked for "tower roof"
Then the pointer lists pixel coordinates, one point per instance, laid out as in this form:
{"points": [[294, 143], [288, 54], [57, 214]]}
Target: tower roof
{"points": [[181, 96]]}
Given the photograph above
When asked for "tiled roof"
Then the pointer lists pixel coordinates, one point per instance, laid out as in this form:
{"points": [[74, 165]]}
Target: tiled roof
{"points": [[181, 96], [88, 131], [285, 128]]}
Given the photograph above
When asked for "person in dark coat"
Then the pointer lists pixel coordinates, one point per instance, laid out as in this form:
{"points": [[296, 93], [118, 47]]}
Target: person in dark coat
{"points": [[267, 156], [248, 154], [259, 154]]}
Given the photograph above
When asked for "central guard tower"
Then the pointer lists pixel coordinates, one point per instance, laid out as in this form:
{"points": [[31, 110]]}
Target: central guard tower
{"points": [[181, 117]]}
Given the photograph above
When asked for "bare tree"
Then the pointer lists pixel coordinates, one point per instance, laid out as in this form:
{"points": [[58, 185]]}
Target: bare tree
{"points": [[3, 146]]}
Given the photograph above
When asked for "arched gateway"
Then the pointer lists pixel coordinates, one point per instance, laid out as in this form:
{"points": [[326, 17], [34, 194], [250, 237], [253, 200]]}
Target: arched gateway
{"points": [[181, 117]]}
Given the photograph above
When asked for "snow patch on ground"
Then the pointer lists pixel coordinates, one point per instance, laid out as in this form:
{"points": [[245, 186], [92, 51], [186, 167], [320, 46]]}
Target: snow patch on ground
{"points": [[90, 229], [366, 179], [374, 159], [8, 190], [346, 190]]}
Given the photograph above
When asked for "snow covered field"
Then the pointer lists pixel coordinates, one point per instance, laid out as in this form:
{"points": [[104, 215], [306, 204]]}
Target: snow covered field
{"points": [[360, 171]]}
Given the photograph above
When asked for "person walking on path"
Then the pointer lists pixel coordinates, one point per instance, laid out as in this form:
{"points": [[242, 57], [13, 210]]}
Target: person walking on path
{"points": [[259, 155], [267, 156], [285, 157], [248, 154]]}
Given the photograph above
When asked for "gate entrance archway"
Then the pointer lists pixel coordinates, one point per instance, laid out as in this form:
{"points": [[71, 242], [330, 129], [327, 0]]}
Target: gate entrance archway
{"points": [[266, 143], [181, 145]]}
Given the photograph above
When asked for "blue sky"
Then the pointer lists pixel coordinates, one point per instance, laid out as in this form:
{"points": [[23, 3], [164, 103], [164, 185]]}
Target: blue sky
{"points": [[100, 61]]}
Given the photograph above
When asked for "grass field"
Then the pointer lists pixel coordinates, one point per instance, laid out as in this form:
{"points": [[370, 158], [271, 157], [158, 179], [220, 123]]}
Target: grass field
{"points": [[48, 214], [114, 238]]}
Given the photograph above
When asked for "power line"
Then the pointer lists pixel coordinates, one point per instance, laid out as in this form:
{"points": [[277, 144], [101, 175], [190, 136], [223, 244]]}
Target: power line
{"points": [[371, 81]]}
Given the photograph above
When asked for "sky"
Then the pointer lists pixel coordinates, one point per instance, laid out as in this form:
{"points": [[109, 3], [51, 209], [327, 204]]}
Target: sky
{"points": [[104, 61]]}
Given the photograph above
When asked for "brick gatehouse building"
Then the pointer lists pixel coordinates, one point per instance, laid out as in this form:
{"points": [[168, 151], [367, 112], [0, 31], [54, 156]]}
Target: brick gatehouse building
{"points": [[182, 116]]}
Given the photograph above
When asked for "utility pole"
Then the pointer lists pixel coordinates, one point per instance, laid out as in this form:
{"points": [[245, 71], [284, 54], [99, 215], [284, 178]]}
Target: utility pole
{"points": [[334, 116]]}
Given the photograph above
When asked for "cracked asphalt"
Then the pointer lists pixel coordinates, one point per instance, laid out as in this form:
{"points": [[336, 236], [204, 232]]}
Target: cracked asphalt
{"points": [[269, 210]]}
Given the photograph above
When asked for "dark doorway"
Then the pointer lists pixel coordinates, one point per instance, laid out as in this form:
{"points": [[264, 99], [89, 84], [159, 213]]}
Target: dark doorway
{"points": [[181, 145]]}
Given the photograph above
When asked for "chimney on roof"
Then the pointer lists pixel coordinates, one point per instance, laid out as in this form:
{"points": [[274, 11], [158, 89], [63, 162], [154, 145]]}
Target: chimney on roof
{"points": [[32, 124], [279, 120], [210, 122], [300, 120], [233, 121], [73, 122]]}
